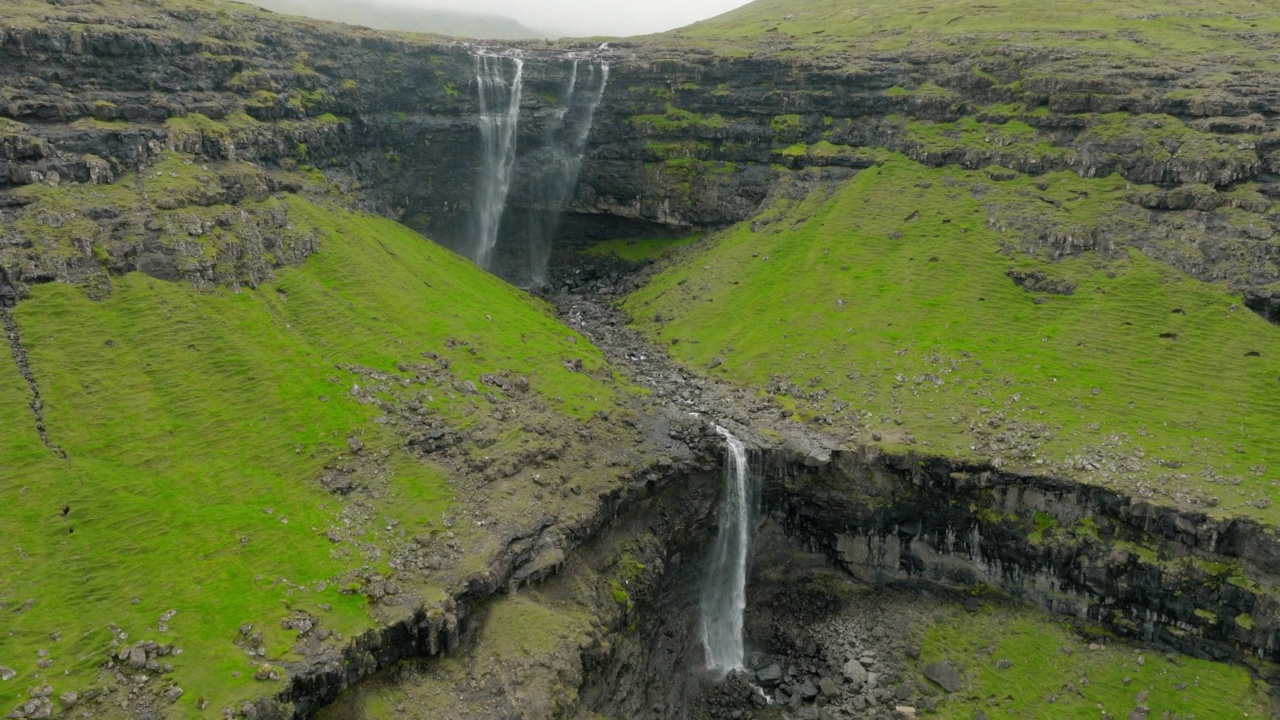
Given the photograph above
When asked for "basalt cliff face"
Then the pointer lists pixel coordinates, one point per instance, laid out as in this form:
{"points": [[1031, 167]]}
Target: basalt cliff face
{"points": [[684, 138]]}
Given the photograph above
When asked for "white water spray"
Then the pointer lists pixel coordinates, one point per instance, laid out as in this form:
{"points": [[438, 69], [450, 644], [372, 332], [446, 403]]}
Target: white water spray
{"points": [[556, 179], [725, 597], [499, 120]]}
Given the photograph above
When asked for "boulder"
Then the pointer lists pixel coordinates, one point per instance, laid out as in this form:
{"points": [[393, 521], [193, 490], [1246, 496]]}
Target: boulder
{"points": [[769, 676], [943, 673], [855, 673]]}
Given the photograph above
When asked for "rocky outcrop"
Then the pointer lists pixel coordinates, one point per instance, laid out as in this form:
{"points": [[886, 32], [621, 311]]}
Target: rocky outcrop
{"points": [[1179, 579]]}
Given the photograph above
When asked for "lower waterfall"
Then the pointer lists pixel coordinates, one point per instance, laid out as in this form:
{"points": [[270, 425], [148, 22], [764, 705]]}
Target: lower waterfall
{"points": [[724, 597]]}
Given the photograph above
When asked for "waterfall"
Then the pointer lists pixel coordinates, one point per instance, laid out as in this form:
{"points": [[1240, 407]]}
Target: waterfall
{"points": [[725, 596], [499, 119], [561, 162]]}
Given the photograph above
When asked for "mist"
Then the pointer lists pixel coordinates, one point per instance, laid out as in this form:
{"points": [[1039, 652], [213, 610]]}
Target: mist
{"points": [[588, 17]]}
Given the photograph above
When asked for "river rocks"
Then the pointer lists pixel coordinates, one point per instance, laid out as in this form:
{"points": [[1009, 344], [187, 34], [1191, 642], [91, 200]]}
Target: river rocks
{"points": [[828, 688], [855, 673], [769, 676], [945, 675]]}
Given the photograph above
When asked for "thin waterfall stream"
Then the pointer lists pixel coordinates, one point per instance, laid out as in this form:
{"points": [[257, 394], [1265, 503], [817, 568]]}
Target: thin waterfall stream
{"points": [[555, 180], [724, 599], [499, 120]]}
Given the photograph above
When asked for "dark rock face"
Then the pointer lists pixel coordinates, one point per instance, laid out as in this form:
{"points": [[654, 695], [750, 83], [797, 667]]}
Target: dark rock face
{"points": [[682, 139], [1048, 541], [912, 522], [1265, 303]]}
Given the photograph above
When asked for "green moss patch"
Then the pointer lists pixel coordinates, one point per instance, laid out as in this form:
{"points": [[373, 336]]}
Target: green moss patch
{"points": [[1019, 663], [641, 250]]}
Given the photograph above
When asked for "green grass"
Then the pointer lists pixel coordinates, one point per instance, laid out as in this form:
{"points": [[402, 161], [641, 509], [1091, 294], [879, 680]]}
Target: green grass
{"points": [[642, 250], [1055, 674], [889, 303], [1139, 28], [677, 121], [186, 415]]}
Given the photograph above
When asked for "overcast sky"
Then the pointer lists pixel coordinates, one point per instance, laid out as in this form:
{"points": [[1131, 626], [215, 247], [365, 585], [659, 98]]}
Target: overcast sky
{"points": [[592, 17]]}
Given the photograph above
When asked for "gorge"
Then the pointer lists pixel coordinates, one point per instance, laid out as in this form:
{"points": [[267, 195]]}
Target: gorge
{"points": [[976, 312]]}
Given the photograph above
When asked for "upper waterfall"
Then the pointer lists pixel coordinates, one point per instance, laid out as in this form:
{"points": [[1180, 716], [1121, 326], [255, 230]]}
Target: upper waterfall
{"points": [[555, 177], [499, 120]]}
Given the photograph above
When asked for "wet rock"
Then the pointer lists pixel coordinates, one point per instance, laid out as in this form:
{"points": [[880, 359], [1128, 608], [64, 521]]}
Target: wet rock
{"points": [[770, 676]]}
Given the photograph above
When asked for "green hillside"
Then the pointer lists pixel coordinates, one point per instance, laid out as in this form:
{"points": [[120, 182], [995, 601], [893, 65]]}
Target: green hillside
{"points": [[195, 426], [891, 311], [1239, 31]]}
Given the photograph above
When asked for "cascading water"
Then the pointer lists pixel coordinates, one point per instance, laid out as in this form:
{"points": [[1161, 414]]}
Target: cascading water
{"points": [[499, 120], [560, 163], [725, 596]]}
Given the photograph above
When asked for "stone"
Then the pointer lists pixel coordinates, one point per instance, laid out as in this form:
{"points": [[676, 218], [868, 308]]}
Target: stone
{"points": [[137, 658], [7, 673], [943, 673], [808, 690], [904, 711], [828, 687], [769, 676], [173, 694], [855, 673], [69, 699]]}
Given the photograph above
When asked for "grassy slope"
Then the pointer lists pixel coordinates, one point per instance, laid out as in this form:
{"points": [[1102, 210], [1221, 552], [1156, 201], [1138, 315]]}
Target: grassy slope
{"points": [[889, 302], [640, 250], [1056, 674], [1143, 28], [186, 415]]}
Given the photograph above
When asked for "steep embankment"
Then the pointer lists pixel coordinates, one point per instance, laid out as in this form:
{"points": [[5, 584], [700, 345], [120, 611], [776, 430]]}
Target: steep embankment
{"points": [[253, 478], [903, 310]]}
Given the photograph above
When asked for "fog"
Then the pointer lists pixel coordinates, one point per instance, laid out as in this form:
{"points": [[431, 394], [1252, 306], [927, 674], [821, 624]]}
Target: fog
{"points": [[589, 17]]}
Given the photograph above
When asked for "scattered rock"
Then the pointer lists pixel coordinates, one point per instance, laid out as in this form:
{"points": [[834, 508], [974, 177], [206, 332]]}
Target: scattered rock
{"points": [[828, 687], [855, 673], [944, 674], [770, 676]]}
